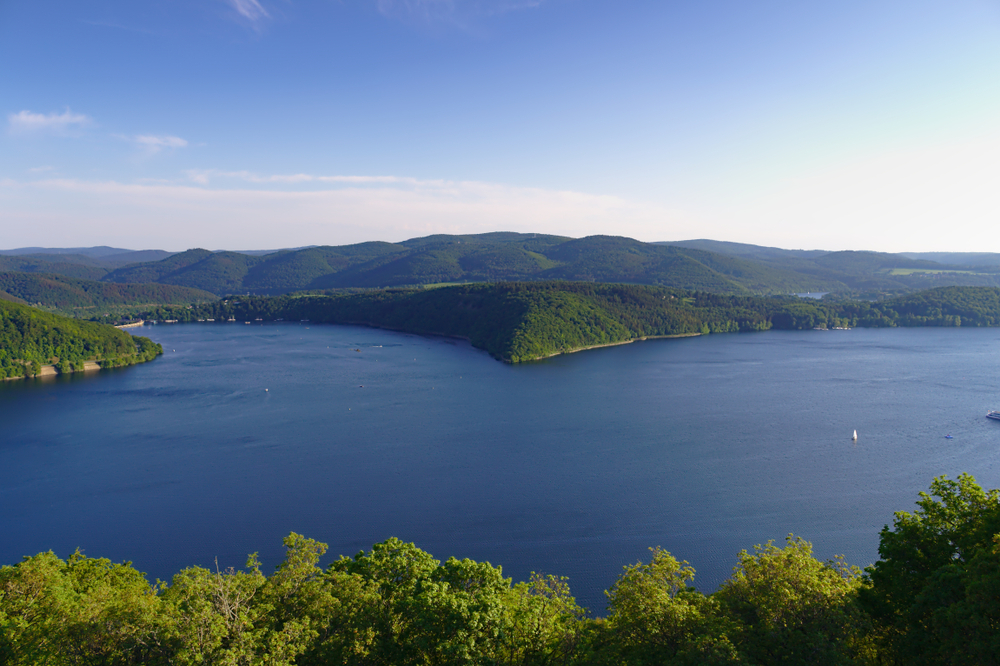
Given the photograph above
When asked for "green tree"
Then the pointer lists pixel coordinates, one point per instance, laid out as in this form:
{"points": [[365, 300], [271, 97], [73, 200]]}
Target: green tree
{"points": [[216, 619], [935, 591], [396, 571], [656, 619], [794, 609], [544, 624], [79, 611], [298, 599], [348, 633], [242, 617], [428, 613]]}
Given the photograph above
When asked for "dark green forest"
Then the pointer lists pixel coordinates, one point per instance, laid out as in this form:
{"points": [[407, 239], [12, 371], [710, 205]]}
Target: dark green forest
{"points": [[77, 297], [30, 338], [701, 265], [524, 321], [932, 598]]}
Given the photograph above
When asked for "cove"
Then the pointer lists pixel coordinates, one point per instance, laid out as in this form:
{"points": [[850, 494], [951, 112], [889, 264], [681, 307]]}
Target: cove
{"points": [[572, 466]]}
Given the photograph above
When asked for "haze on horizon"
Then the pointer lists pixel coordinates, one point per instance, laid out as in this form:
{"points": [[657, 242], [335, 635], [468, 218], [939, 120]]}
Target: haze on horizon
{"points": [[283, 123]]}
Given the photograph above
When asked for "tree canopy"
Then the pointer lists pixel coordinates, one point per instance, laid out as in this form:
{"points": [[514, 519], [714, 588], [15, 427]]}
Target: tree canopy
{"points": [[932, 598], [934, 594]]}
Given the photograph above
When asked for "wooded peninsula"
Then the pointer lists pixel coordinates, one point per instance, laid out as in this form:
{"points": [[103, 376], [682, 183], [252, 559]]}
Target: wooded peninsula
{"points": [[512, 321], [31, 338], [524, 321]]}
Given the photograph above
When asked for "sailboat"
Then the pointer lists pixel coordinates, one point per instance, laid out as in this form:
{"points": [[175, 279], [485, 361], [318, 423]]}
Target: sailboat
{"points": [[855, 437]]}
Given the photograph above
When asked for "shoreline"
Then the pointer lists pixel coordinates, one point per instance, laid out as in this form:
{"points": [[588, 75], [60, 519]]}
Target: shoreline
{"points": [[452, 336], [530, 360], [50, 371], [611, 344]]}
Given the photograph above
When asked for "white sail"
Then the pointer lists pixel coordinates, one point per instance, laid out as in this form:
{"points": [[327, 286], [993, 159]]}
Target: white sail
{"points": [[855, 437]]}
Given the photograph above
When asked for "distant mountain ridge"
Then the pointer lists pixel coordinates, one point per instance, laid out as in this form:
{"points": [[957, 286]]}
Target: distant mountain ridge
{"points": [[92, 252], [744, 250], [97, 260], [748, 251], [958, 258], [704, 265], [446, 259]]}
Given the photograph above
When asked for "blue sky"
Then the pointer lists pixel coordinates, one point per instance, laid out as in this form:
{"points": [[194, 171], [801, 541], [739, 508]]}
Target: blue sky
{"points": [[277, 123]]}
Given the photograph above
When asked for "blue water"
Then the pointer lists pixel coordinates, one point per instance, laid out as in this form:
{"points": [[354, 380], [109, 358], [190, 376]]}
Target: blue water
{"points": [[572, 466]]}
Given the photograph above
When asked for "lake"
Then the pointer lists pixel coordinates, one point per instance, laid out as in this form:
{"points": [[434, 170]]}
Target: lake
{"points": [[574, 466]]}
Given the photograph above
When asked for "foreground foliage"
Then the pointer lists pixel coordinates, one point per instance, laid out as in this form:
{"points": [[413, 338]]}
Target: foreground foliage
{"points": [[30, 338], [935, 592], [523, 321], [933, 598]]}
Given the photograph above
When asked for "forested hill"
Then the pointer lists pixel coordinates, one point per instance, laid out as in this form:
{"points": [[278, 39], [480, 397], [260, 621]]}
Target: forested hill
{"points": [[523, 321], [30, 338], [698, 265], [9, 297], [702, 265], [87, 298]]}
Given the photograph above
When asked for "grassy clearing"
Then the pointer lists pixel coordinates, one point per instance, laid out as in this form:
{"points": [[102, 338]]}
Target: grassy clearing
{"points": [[544, 262], [436, 285]]}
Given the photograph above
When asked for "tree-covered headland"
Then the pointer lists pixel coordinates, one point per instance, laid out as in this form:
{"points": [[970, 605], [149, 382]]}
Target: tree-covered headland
{"points": [[31, 338], [522, 321], [933, 597]]}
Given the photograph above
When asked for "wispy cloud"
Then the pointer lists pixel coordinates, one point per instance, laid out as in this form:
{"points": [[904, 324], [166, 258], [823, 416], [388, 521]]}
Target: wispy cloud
{"points": [[204, 177], [250, 10], [349, 209], [58, 123], [154, 144]]}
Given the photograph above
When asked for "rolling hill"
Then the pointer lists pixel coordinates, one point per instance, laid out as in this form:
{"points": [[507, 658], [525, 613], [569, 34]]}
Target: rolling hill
{"points": [[479, 258], [107, 258], [83, 298], [705, 265]]}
